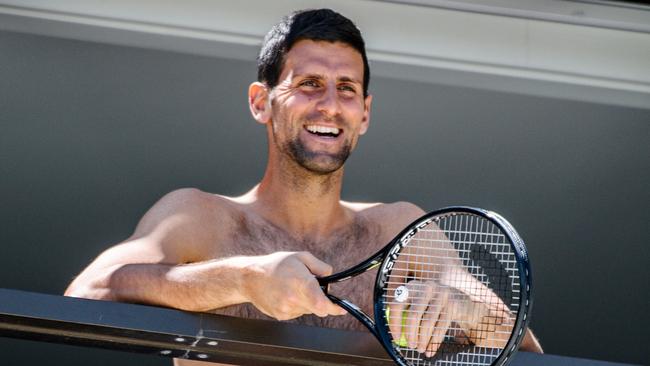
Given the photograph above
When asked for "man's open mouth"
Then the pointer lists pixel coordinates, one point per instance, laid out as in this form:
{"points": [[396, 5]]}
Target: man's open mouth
{"points": [[323, 131]]}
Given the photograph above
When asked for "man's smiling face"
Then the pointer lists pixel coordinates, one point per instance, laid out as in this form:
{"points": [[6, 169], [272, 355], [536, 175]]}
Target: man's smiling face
{"points": [[318, 106]]}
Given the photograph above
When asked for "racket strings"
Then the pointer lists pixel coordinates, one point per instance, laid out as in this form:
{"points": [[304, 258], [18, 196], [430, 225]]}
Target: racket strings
{"points": [[462, 280]]}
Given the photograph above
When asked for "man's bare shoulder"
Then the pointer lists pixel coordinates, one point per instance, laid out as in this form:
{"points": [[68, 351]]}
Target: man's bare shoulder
{"points": [[189, 220], [187, 204], [392, 217], [385, 211]]}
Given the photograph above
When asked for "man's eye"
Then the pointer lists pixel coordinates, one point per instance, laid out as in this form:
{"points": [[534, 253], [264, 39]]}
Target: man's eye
{"points": [[309, 83], [347, 89]]}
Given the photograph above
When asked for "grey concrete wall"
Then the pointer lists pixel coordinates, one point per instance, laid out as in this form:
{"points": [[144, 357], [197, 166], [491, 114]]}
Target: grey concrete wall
{"points": [[92, 135]]}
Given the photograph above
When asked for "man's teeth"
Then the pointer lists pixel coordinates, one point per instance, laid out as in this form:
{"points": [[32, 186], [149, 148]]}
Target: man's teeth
{"points": [[323, 129]]}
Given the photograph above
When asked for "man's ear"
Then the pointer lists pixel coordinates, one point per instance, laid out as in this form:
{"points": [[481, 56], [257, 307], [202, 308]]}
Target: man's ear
{"points": [[258, 102], [365, 121]]}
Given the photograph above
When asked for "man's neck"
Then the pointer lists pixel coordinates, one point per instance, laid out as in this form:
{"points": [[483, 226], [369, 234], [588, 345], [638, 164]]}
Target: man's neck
{"points": [[300, 202]]}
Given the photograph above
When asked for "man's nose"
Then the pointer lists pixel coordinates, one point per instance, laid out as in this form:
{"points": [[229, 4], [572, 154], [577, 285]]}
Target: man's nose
{"points": [[329, 103]]}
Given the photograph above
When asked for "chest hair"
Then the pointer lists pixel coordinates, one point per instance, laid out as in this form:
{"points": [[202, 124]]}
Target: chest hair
{"points": [[342, 249]]}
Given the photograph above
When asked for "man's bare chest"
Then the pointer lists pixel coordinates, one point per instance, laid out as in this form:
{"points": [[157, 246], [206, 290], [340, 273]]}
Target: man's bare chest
{"points": [[342, 249]]}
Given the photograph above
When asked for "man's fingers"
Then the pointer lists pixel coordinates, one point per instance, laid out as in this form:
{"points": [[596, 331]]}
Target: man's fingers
{"points": [[315, 265], [438, 335], [329, 308], [318, 302], [422, 293], [431, 318]]}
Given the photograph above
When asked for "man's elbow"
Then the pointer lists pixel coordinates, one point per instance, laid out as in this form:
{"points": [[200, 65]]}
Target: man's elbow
{"points": [[530, 343], [88, 288]]}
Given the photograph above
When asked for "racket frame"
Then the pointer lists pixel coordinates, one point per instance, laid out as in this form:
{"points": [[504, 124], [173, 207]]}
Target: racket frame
{"points": [[385, 258]]}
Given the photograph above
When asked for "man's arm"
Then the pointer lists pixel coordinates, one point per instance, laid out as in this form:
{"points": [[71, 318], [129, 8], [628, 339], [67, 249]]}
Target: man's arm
{"points": [[183, 286], [167, 262], [148, 267]]}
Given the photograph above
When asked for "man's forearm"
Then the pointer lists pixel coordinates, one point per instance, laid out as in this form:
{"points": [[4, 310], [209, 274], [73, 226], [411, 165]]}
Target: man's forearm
{"points": [[194, 287]]}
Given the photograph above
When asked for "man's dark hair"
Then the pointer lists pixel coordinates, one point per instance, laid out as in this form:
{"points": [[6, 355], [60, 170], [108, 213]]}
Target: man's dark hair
{"points": [[316, 25]]}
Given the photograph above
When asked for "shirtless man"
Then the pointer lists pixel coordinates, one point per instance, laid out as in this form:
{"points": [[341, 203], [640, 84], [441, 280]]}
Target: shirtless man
{"points": [[258, 255]]}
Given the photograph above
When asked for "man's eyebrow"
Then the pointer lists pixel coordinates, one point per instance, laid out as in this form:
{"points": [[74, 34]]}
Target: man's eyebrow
{"points": [[308, 76], [345, 79], [349, 79]]}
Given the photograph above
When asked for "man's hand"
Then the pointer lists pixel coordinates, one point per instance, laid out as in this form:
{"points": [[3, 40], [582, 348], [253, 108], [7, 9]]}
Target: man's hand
{"points": [[423, 308], [283, 285], [432, 294], [431, 310]]}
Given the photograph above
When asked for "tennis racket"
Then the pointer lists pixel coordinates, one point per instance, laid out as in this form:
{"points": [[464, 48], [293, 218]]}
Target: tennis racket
{"points": [[453, 288]]}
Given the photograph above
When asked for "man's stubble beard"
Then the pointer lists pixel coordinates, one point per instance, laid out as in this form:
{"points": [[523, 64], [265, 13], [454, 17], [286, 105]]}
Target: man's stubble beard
{"points": [[316, 162]]}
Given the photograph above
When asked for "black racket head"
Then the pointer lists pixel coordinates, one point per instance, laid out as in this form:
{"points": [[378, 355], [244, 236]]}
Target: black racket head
{"points": [[454, 289]]}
